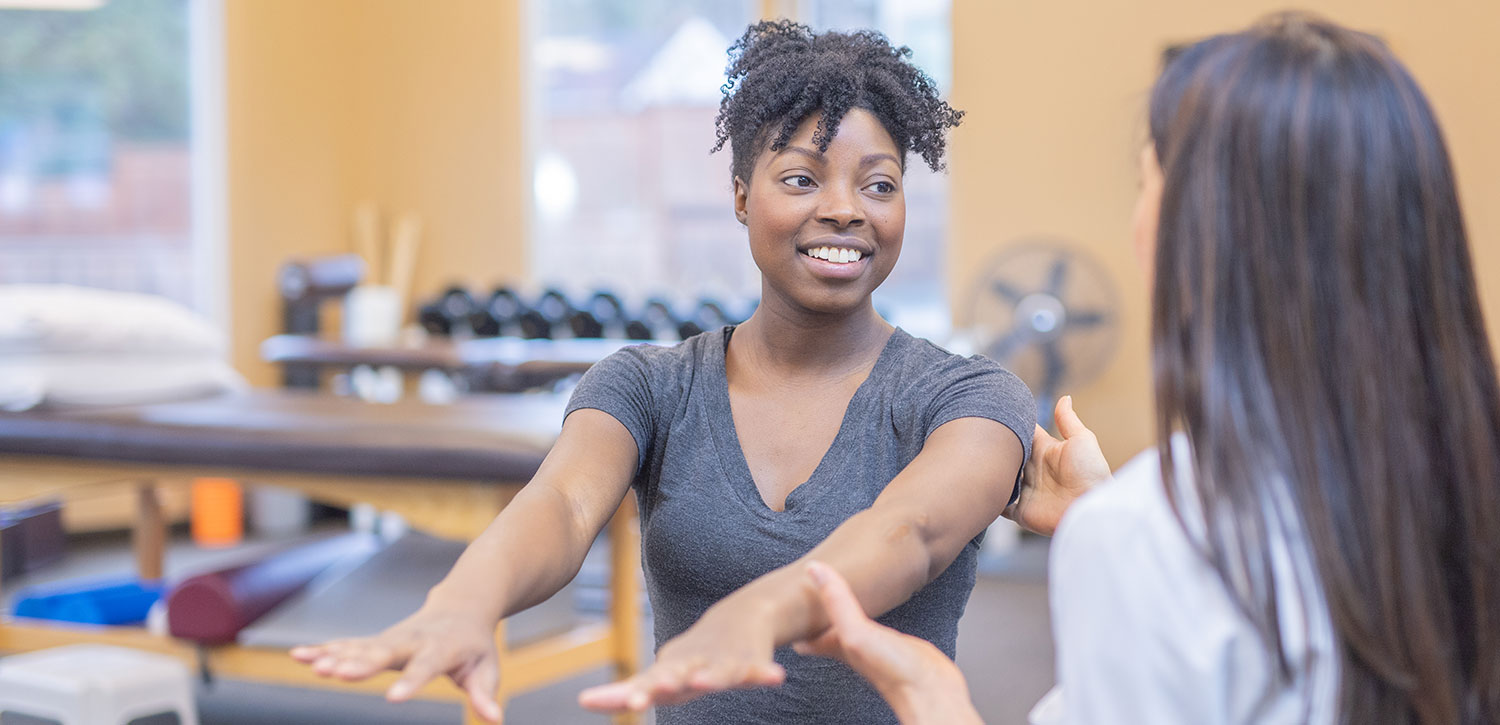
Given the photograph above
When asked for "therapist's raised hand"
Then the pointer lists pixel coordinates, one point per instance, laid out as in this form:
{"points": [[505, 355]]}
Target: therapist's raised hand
{"points": [[1059, 472], [919, 682], [429, 644]]}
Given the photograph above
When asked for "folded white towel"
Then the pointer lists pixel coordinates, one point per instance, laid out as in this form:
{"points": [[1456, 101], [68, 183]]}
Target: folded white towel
{"points": [[73, 346], [64, 318]]}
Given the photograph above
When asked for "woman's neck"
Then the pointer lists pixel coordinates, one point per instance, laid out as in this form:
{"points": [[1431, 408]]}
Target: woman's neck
{"points": [[792, 342]]}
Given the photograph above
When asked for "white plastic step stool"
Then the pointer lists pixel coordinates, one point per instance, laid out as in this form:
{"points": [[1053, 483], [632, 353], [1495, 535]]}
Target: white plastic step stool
{"points": [[90, 684]]}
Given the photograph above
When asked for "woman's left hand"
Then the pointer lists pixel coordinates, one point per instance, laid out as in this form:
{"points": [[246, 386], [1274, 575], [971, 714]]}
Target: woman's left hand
{"points": [[730, 648]]}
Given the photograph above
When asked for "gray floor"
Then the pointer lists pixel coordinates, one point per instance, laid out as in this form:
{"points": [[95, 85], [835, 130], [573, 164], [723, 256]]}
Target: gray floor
{"points": [[1005, 650]]}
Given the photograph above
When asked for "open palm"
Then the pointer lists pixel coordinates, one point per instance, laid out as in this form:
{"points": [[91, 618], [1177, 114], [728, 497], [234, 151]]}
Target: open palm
{"points": [[1059, 472]]}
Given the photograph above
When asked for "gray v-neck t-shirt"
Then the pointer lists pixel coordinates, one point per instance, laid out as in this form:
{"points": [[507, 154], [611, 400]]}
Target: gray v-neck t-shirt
{"points": [[706, 531]]}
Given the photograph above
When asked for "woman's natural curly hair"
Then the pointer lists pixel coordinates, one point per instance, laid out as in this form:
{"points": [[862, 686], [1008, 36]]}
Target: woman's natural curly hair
{"points": [[781, 72]]}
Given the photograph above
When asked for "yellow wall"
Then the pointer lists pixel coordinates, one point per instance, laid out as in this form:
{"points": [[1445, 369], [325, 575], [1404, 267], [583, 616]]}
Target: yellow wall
{"points": [[1055, 94], [288, 145], [438, 110], [415, 105]]}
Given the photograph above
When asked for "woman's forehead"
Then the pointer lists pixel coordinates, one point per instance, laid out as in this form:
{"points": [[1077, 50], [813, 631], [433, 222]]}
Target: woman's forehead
{"points": [[859, 132]]}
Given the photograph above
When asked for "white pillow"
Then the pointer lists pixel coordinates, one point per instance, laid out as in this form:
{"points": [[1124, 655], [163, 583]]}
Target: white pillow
{"points": [[64, 318], [69, 379]]}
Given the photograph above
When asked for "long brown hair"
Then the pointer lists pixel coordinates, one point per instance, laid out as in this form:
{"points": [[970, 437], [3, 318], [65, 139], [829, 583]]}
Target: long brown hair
{"points": [[1317, 337]]}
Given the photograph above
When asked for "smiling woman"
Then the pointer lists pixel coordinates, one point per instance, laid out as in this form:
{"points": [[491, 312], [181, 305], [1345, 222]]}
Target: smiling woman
{"points": [[814, 429]]}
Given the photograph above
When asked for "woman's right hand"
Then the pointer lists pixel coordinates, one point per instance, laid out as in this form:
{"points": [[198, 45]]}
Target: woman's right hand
{"points": [[430, 643]]}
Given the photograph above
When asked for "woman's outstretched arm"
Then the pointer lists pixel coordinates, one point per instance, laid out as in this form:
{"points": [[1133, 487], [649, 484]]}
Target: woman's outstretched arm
{"points": [[530, 551]]}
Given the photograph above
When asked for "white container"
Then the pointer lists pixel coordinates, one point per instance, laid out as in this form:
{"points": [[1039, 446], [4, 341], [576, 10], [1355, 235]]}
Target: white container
{"points": [[279, 512], [372, 316]]}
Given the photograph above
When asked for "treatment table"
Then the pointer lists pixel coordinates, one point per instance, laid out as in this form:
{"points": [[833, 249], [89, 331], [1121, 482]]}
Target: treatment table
{"points": [[448, 470]]}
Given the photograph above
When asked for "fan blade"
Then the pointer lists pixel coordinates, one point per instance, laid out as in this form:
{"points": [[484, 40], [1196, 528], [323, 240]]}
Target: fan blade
{"points": [[1002, 351], [1054, 365], [1004, 289], [1087, 319], [1057, 276], [1052, 378]]}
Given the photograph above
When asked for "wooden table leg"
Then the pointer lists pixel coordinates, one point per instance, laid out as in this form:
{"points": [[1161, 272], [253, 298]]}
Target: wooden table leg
{"points": [[150, 533], [625, 594]]}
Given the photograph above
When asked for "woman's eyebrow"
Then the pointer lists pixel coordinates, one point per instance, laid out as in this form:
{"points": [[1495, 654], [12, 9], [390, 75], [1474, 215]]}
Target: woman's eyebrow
{"points": [[820, 157], [810, 153]]}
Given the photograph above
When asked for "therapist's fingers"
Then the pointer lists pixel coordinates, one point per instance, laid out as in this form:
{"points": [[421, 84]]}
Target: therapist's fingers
{"points": [[1041, 443], [1068, 422], [845, 615], [850, 628]]}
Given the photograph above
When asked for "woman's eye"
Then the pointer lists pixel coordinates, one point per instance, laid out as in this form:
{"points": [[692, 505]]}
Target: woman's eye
{"points": [[883, 187], [801, 182]]}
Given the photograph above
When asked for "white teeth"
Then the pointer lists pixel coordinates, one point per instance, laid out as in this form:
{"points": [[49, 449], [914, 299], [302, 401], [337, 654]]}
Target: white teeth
{"points": [[836, 255]]}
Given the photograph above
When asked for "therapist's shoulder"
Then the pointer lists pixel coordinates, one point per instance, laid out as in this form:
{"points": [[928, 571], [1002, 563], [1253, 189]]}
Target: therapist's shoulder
{"points": [[1135, 497], [1130, 523]]}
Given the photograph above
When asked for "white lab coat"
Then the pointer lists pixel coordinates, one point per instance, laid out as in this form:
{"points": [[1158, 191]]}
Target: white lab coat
{"points": [[1147, 632]]}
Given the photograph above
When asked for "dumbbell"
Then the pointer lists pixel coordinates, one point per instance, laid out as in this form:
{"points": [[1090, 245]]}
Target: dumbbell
{"points": [[602, 316], [541, 320], [708, 315], [499, 313], [450, 313], [657, 321], [554, 305], [430, 316], [636, 329]]}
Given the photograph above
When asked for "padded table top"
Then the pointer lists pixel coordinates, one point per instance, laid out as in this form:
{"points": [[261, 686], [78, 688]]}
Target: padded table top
{"points": [[482, 437]]}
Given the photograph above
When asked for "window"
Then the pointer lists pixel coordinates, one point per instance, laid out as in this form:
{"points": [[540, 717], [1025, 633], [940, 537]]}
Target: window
{"points": [[627, 197], [97, 146]]}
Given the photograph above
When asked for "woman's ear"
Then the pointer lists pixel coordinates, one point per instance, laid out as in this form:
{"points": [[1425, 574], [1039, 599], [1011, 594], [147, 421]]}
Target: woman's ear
{"points": [[741, 198]]}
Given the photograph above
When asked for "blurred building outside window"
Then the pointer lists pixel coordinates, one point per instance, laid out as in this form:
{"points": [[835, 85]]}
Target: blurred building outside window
{"points": [[111, 146]]}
